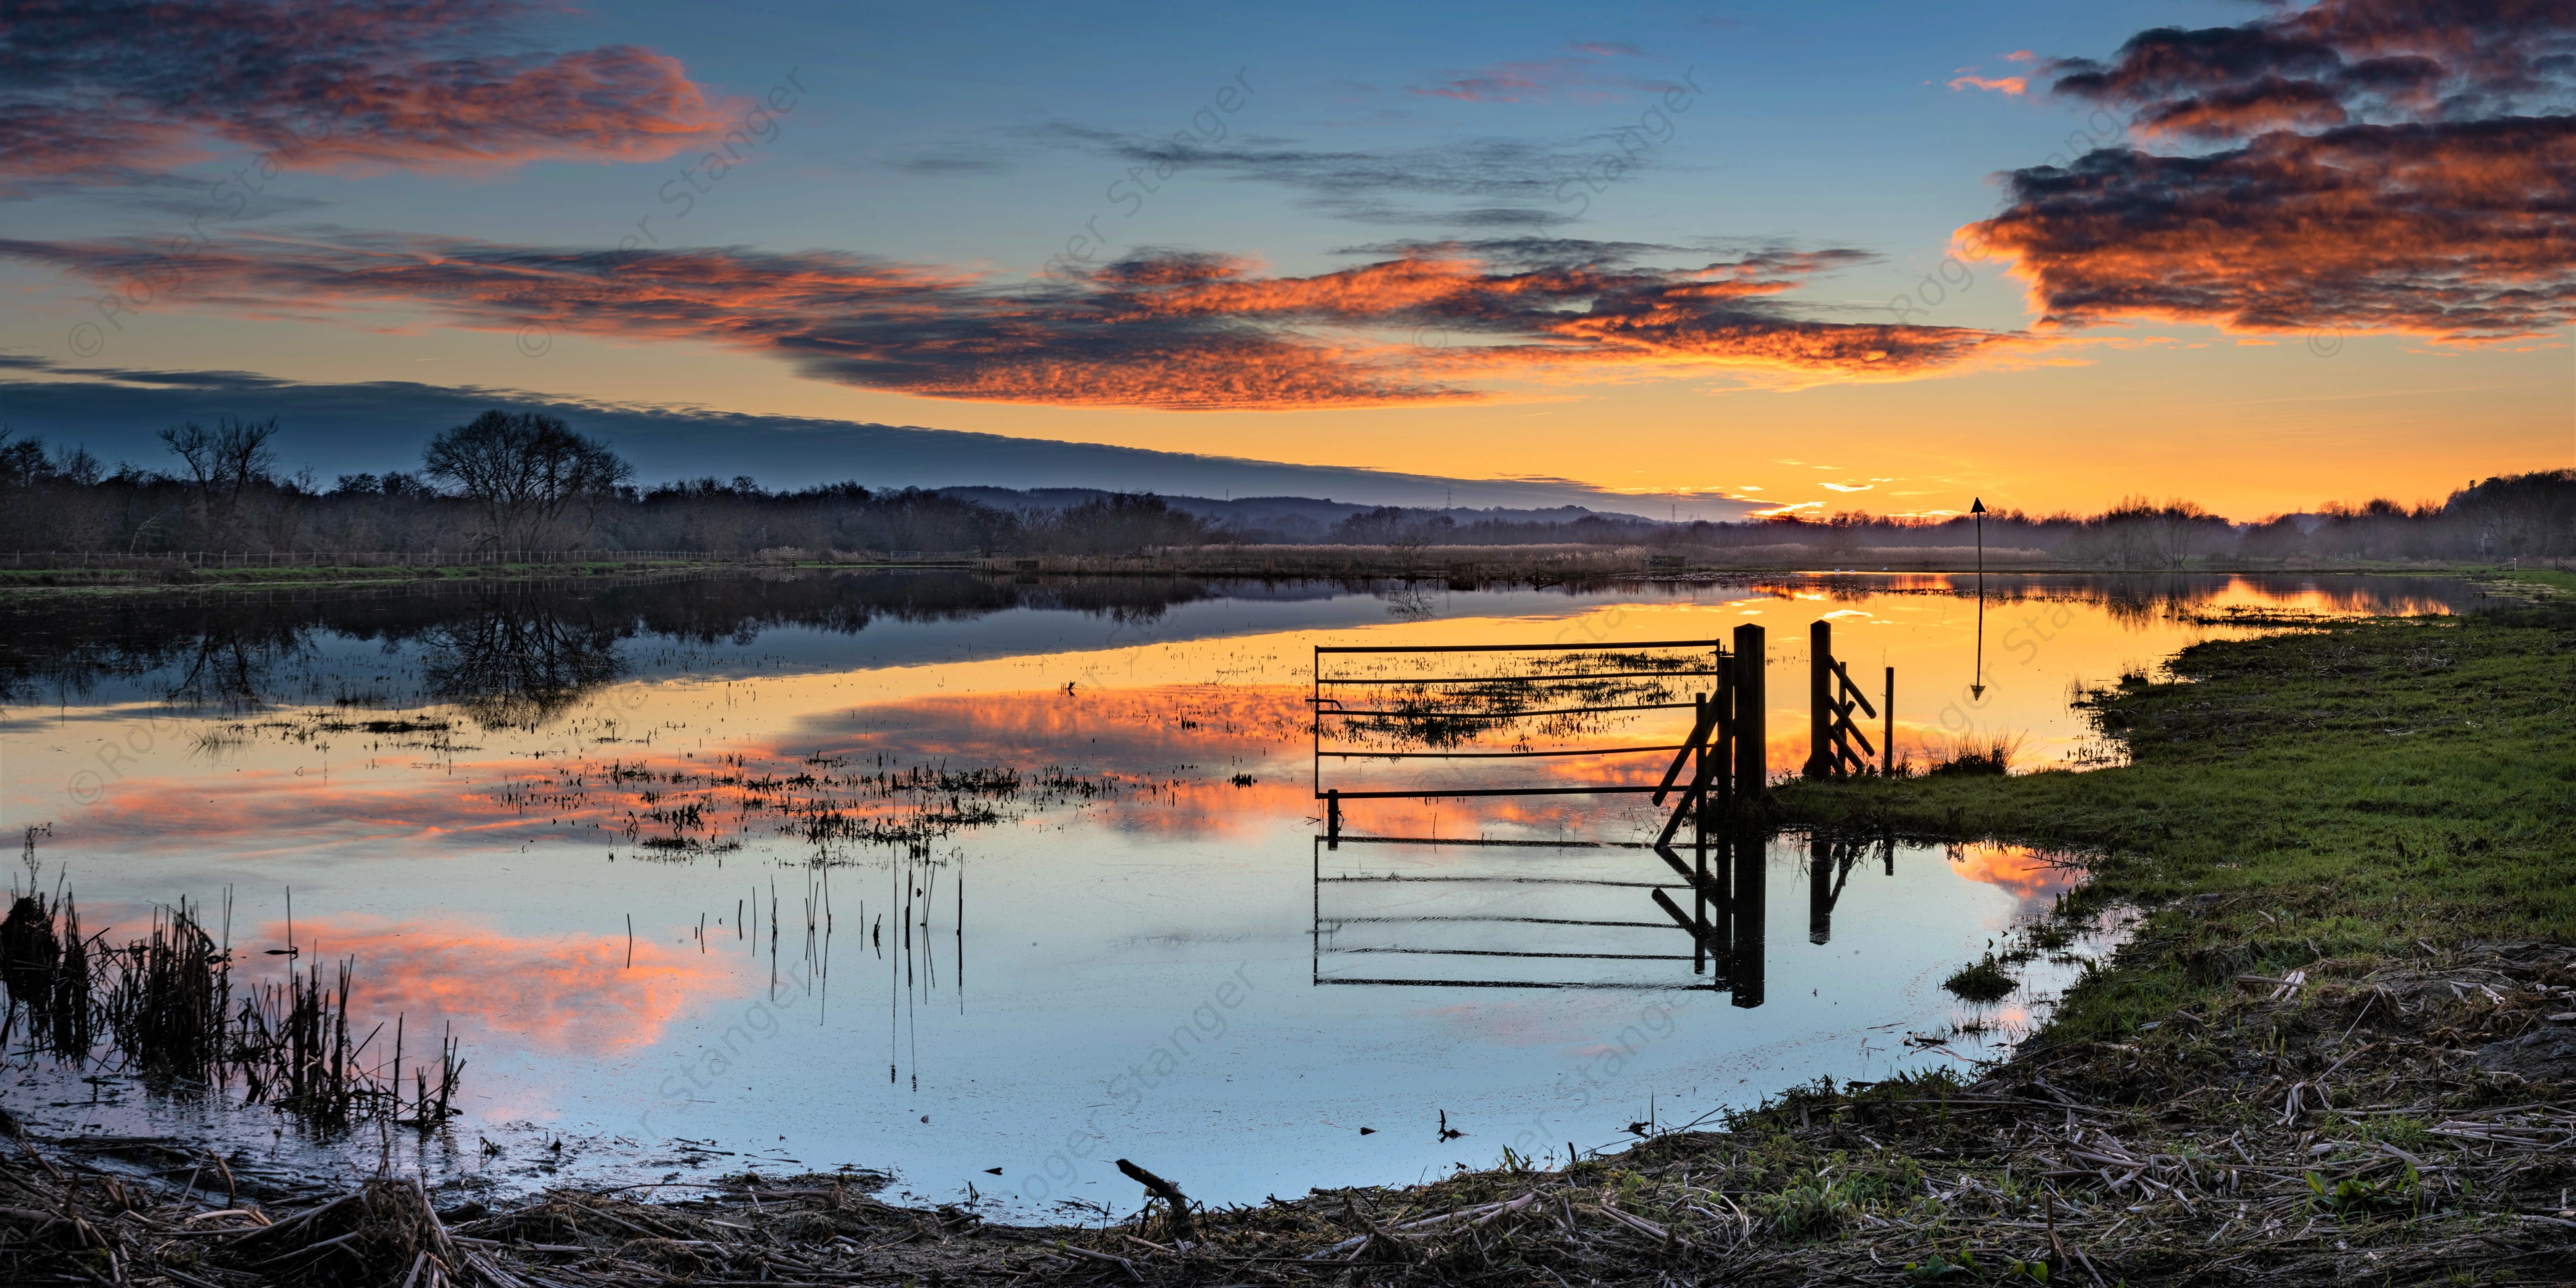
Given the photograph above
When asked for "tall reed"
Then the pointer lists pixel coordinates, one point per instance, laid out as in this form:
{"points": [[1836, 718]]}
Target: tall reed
{"points": [[165, 1007]]}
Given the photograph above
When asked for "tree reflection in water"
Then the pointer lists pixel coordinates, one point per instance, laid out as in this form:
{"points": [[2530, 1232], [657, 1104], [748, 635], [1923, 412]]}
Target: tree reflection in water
{"points": [[522, 657]]}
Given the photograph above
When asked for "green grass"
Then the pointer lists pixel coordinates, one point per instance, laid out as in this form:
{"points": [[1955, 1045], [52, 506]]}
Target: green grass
{"points": [[2542, 577], [2319, 793]]}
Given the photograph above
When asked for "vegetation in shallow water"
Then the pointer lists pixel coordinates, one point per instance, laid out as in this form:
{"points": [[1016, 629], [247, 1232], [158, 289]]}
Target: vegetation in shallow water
{"points": [[1984, 981]]}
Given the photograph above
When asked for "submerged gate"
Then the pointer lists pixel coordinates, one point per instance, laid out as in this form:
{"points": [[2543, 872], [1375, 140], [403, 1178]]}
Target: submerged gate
{"points": [[1480, 721]]}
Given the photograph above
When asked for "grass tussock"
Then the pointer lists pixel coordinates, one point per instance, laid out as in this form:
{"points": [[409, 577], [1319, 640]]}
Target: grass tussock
{"points": [[1990, 756], [1983, 981]]}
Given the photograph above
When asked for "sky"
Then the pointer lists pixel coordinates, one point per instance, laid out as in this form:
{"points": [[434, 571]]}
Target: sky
{"points": [[1709, 259]]}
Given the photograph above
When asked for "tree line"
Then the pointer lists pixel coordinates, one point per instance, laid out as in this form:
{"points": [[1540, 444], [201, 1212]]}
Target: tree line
{"points": [[529, 481], [510, 481]]}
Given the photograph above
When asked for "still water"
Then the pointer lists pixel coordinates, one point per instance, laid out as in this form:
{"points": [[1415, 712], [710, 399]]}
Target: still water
{"points": [[985, 883]]}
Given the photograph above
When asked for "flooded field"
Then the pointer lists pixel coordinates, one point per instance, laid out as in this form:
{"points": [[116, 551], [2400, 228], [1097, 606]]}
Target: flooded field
{"points": [[985, 883]]}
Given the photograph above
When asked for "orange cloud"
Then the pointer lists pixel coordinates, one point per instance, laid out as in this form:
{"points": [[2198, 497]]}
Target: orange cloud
{"points": [[2395, 170], [1178, 332], [2004, 84], [2422, 229]]}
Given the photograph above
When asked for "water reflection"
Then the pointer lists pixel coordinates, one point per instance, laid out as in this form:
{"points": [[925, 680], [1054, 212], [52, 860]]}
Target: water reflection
{"points": [[2137, 600], [564, 994], [239, 651], [521, 658], [522, 649], [1416, 911], [1830, 862], [1121, 771]]}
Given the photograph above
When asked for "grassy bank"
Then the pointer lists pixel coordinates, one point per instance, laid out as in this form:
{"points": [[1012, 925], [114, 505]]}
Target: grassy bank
{"points": [[2325, 793], [2341, 1049]]}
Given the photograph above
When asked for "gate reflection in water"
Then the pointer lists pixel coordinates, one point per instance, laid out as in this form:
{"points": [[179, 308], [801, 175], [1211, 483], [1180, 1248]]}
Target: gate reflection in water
{"points": [[1447, 912]]}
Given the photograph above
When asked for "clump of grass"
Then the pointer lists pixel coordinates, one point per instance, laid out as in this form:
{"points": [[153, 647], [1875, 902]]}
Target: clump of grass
{"points": [[1972, 755], [1810, 1208], [1985, 981]]}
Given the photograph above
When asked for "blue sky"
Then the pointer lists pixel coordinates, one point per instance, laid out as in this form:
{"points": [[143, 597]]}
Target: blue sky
{"points": [[1820, 160]]}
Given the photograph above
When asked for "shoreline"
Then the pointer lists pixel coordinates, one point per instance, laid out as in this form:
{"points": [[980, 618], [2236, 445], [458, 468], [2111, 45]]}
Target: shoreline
{"points": [[2333, 1049], [1457, 574]]}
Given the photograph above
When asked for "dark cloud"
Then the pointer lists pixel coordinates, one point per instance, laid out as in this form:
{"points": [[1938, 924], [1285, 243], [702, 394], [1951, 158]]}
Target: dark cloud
{"points": [[1168, 330], [1584, 71], [2384, 166], [157, 192], [952, 164], [1554, 250], [91, 88], [1465, 183], [2339, 61]]}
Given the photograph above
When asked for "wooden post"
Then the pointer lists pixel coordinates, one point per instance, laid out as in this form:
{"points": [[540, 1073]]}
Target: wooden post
{"points": [[1821, 761], [1752, 770], [1887, 736]]}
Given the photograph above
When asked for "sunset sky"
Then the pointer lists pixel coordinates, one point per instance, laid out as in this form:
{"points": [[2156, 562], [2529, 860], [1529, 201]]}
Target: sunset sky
{"points": [[1872, 256]]}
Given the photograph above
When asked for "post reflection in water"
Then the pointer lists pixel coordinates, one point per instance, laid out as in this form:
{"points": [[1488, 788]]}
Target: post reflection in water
{"points": [[1829, 866]]}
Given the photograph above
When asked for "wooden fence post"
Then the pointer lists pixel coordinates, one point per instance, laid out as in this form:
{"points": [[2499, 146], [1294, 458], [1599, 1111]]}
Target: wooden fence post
{"points": [[1820, 697], [1887, 733], [1752, 770]]}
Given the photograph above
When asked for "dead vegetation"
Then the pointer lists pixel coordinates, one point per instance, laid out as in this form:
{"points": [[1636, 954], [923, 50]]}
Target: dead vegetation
{"points": [[165, 1007], [2399, 1121]]}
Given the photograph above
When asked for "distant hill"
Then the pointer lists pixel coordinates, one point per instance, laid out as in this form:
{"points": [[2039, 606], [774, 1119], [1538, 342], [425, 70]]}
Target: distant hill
{"points": [[1287, 514], [378, 426]]}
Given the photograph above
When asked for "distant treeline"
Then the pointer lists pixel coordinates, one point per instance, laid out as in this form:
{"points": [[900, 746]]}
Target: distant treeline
{"points": [[2509, 516], [518, 481]]}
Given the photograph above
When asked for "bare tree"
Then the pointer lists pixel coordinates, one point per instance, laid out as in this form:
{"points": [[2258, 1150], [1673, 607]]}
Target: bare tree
{"points": [[526, 471], [223, 464], [2179, 530]]}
